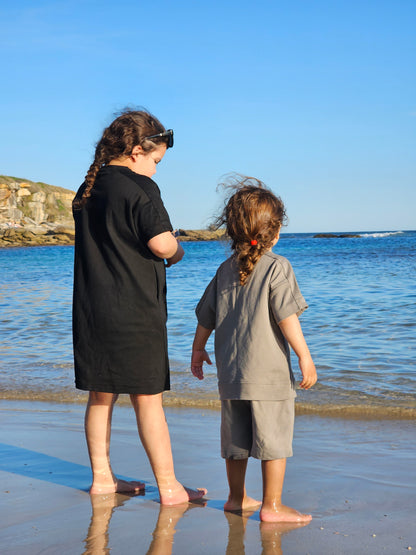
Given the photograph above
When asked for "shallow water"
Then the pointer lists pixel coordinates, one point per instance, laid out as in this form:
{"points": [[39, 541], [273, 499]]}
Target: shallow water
{"points": [[360, 324]]}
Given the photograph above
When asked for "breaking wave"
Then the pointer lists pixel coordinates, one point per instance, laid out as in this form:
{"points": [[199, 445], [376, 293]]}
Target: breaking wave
{"points": [[378, 235]]}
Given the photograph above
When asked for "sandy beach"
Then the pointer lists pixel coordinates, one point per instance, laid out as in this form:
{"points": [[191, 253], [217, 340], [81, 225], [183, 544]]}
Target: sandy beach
{"points": [[357, 478]]}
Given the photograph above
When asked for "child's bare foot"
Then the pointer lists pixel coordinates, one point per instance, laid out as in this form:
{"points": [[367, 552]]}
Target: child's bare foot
{"points": [[179, 494], [119, 486], [281, 513], [246, 504]]}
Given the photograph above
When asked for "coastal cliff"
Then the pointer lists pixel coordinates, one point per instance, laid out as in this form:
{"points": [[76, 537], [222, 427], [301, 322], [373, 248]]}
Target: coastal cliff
{"points": [[28, 203], [35, 213]]}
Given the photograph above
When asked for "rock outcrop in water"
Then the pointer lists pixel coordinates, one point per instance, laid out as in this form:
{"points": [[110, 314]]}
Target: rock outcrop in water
{"points": [[333, 236], [201, 234]]}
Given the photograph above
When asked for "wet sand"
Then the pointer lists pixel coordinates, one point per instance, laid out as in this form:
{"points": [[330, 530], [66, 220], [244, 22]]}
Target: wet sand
{"points": [[356, 477]]}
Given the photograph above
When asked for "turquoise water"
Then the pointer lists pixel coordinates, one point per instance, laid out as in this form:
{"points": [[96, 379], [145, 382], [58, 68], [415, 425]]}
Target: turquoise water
{"points": [[360, 324]]}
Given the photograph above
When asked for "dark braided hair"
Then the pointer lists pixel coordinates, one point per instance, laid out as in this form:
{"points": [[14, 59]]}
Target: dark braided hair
{"points": [[128, 130], [253, 216]]}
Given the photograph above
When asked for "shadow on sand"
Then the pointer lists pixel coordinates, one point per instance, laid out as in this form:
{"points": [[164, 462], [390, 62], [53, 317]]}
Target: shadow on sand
{"points": [[39, 466]]}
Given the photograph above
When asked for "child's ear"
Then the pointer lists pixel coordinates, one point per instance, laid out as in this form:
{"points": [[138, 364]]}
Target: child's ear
{"points": [[275, 240]]}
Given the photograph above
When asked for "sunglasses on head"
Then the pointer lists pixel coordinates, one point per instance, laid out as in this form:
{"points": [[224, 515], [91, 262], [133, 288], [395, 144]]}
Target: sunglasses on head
{"points": [[168, 134]]}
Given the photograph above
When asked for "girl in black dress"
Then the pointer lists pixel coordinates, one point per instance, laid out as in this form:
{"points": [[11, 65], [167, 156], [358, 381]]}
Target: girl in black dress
{"points": [[123, 236]]}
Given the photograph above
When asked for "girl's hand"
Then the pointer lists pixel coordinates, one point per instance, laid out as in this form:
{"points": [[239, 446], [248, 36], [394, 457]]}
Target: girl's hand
{"points": [[177, 257], [309, 374], [197, 361]]}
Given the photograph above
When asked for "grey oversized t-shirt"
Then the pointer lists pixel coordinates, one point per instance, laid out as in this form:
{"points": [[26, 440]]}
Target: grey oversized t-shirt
{"points": [[252, 356]]}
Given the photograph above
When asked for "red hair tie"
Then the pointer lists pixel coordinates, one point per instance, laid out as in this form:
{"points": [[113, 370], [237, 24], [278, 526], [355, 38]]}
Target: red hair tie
{"points": [[253, 242]]}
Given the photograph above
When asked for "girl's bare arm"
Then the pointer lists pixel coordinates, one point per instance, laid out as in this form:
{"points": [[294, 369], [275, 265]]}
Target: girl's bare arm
{"points": [[165, 245], [292, 331]]}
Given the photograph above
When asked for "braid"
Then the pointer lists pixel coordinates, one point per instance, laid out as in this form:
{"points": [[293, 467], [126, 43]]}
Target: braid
{"points": [[101, 158], [247, 257]]}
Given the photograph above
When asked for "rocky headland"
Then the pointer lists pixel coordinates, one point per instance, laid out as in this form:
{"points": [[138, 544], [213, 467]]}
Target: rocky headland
{"points": [[35, 213]]}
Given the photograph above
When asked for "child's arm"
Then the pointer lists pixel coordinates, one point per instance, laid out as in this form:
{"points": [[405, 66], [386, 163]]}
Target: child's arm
{"points": [[177, 257], [165, 245], [199, 354], [292, 331]]}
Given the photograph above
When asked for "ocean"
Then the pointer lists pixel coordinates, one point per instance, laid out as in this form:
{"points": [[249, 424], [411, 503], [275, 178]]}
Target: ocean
{"points": [[360, 324]]}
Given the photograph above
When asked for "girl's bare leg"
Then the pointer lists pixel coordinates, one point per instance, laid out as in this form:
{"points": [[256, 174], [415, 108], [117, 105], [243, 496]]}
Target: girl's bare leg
{"points": [[154, 434], [272, 509], [237, 498], [98, 432]]}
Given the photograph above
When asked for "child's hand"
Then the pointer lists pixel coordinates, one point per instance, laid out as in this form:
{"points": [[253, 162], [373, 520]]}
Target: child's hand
{"points": [[198, 359], [177, 257], [308, 372]]}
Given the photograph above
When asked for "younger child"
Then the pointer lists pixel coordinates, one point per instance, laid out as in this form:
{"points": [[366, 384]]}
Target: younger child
{"points": [[253, 303]]}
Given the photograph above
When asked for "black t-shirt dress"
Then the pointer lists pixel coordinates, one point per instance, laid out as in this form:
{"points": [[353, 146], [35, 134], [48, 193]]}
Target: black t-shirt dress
{"points": [[119, 301]]}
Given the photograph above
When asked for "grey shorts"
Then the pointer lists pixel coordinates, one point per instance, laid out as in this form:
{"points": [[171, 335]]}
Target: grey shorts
{"points": [[259, 429]]}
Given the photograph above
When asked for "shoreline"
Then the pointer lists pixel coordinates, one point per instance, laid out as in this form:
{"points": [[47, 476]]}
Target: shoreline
{"points": [[171, 400], [355, 477]]}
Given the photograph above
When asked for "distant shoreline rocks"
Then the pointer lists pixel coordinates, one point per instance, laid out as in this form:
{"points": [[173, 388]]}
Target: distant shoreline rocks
{"points": [[35, 235], [200, 234], [30, 234], [334, 236]]}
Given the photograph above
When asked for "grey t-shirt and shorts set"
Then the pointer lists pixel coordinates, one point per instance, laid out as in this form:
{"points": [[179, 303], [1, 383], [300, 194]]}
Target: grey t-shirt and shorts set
{"points": [[255, 378]]}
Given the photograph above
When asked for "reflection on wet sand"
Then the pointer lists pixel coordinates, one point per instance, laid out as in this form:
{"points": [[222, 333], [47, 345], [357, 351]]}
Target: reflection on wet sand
{"points": [[169, 516], [271, 533], [103, 507], [97, 540], [237, 522]]}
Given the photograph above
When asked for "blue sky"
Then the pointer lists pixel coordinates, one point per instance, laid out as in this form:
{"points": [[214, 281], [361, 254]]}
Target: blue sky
{"points": [[316, 98]]}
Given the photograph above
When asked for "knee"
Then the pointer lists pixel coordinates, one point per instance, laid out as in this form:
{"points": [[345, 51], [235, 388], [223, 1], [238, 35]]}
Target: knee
{"points": [[146, 402], [102, 398]]}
